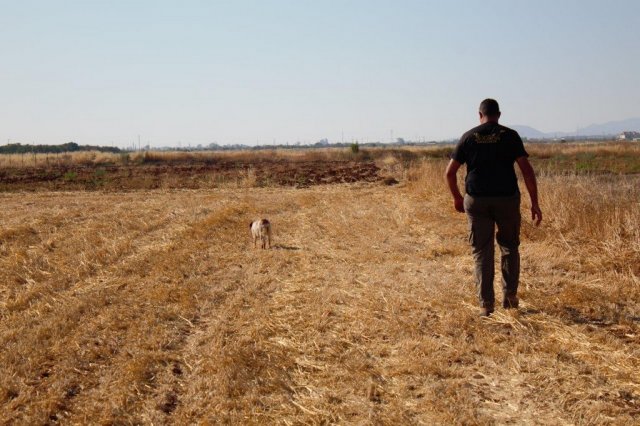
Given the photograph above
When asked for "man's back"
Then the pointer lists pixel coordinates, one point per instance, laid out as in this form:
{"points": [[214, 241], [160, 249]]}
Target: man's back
{"points": [[490, 150], [493, 200]]}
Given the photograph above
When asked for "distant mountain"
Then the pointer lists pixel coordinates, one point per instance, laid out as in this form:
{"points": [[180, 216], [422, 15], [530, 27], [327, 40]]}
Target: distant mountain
{"points": [[605, 129], [529, 132], [612, 127]]}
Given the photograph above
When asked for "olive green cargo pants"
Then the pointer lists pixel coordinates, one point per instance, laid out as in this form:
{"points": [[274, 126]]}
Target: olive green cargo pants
{"points": [[483, 215]]}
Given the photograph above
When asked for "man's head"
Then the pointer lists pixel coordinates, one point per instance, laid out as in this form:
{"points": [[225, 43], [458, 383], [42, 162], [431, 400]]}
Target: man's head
{"points": [[489, 110]]}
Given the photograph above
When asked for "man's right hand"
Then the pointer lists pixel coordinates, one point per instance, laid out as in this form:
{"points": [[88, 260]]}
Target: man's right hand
{"points": [[458, 203], [450, 176], [536, 214]]}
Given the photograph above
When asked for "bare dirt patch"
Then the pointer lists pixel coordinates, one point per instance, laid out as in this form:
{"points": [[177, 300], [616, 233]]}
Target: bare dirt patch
{"points": [[186, 174]]}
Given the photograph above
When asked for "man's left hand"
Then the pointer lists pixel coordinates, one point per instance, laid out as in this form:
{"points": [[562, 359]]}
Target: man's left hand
{"points": [[536, 214]]}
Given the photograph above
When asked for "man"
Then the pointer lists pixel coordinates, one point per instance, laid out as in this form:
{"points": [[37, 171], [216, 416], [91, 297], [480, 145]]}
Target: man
{"points": [[492, 198]]}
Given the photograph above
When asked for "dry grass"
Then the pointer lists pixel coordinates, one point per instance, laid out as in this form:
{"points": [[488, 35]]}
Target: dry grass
{"points": [[586, 158], [152, 307], [95, 158], [12, 161], [546, 150]]}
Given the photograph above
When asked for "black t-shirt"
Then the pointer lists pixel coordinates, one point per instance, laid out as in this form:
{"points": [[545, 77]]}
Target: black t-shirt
{"points": [[489, 152]]}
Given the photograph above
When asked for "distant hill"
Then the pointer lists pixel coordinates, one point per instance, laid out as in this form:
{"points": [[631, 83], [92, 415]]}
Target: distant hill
{"points": [[612, 127], [609, 128], [529, 132]]}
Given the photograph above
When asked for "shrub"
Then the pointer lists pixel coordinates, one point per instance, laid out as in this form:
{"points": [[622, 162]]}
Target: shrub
{"points": [[70, 176]]}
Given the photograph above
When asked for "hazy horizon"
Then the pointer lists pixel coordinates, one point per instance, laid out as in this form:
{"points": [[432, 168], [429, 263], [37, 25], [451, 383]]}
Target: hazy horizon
{"points": [[257, 72]]}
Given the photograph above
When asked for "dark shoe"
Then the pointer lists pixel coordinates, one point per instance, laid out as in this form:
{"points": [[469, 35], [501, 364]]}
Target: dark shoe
{"points": [[510, 302], [485, 311]]}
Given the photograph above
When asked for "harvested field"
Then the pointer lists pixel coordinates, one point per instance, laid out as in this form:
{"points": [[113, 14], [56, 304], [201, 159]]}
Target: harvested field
{"points": [[151, 306]]}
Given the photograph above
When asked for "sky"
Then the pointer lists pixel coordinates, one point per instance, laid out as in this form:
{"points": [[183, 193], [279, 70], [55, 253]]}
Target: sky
{"points": [[179, 73]]}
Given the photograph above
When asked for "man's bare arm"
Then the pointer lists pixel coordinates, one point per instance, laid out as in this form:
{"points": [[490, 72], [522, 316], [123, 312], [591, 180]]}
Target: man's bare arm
{"points": [[532, 186], [452, 181]]}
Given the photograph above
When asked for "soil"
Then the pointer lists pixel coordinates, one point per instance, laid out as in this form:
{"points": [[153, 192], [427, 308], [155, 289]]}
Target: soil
{"points": [[193, 175]]}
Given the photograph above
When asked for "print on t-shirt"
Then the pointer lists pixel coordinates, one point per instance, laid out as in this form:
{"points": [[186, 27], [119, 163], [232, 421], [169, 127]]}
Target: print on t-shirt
{"points": [[490, 138]]}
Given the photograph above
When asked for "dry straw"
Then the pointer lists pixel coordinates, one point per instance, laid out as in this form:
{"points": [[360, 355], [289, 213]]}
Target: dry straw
{"points": [[153, 307]]}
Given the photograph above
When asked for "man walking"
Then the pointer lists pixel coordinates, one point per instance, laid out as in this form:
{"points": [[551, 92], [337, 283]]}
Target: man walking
{"points": [[493, 198]]}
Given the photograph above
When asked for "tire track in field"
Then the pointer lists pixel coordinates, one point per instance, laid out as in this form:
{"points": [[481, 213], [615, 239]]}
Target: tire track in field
{"points": [[50, 296], [41, 329], [45, 260], [151, 368], [96, 297]]}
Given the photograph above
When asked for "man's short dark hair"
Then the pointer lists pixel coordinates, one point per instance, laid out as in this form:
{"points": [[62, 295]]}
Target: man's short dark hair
{"points": [[489, 107]]}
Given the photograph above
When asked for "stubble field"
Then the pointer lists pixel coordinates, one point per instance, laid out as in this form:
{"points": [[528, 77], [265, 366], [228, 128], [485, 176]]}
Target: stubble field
{"points": [[151, 306]]}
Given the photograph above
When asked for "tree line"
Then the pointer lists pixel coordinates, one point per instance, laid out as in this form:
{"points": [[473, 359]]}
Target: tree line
{"points": [[17, 148]]}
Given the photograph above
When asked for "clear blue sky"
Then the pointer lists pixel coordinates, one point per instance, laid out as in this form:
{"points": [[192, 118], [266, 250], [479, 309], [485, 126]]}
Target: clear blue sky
{"points": [[102, 72]]}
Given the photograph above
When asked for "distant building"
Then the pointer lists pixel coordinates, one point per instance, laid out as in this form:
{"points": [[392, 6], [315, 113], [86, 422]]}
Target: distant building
{"points": [[629, 136]]}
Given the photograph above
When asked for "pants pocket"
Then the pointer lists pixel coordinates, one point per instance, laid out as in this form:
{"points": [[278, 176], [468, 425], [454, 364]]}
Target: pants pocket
{"points": [[466, 203]]}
